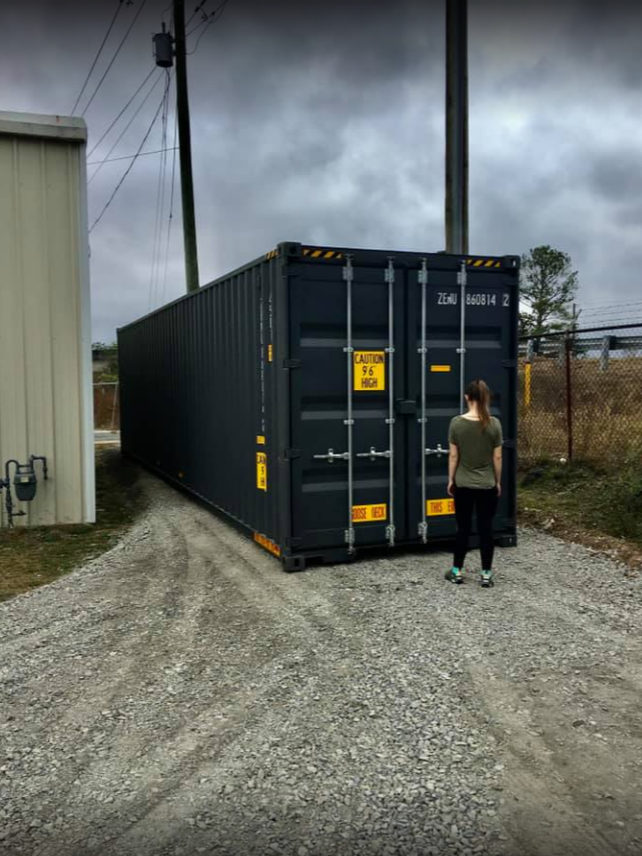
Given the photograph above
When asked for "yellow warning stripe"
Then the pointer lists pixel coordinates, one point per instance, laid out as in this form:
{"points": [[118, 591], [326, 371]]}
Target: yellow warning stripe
{"points": [[488, 263], [313, 253], [272, 254], [270, 546]]}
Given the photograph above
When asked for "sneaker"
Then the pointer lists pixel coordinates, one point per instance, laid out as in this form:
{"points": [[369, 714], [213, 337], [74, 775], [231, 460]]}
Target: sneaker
{"points": [[486, 579], [454, 575]]}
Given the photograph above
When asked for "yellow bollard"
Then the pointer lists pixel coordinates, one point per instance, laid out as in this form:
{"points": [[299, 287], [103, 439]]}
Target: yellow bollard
{"points": [[527, 385]]}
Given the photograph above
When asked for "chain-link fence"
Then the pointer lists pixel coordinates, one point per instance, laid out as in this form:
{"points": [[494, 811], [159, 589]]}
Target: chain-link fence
{"points": [[580, 395], [106, 406]]}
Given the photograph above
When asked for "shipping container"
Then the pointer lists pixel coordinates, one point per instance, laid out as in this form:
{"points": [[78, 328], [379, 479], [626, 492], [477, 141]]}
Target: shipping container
{"points": [[45, 335], [307, 395]]}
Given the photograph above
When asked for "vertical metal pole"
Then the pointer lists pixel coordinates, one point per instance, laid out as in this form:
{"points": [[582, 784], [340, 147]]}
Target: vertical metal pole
{"points": [[456, 126], [569, 400], [423, 279], [390, 279], [185, 150], [348, 275], [461, 350]]}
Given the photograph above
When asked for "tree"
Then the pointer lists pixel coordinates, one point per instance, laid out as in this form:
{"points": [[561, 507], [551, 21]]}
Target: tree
{"points": [[548, 286]]}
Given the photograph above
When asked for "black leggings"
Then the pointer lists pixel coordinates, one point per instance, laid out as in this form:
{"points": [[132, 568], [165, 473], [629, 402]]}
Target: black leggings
{"points": [[485, 504]]}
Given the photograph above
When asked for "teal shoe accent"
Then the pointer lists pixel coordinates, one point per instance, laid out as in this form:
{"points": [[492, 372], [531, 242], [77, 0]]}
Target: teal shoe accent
{"points": [[454, 575]]}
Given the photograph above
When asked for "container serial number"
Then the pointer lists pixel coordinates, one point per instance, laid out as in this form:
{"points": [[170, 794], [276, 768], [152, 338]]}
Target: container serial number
{"points": [[489, 298]]}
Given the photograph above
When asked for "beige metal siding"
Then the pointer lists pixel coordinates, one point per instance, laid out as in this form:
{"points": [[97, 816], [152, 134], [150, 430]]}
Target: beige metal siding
{"points": [[45, 351]]}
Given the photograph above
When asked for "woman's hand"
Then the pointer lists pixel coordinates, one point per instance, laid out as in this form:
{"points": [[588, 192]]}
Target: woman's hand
{"points": [[499, 489], [451, 488]]}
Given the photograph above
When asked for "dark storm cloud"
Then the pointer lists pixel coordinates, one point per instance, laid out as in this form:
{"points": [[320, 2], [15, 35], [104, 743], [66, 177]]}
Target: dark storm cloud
{"points": [[323, 122]]}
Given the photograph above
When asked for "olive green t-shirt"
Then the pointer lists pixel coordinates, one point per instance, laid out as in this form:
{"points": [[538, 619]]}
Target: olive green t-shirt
{"points": [[475, 467]]}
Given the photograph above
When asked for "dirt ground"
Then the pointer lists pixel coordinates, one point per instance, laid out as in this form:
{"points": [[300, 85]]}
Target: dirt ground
{"points": [[183, 695]]}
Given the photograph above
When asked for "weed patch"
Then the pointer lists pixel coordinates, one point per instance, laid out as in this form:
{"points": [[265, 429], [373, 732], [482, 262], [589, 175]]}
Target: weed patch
{"points": [[31, 557]]}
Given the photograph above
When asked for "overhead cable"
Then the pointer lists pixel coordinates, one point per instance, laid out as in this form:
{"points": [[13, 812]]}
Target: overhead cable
{"points": [[113, 59], [129, 157], [121, 112], [126, 128], [129, 168], [97, 57]]}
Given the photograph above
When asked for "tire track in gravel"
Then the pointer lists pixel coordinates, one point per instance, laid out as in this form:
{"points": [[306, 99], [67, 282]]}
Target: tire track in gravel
{"points": [[253, 590], [235, 680]]}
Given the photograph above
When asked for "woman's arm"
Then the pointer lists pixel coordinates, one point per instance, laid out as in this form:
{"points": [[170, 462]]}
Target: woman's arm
{"points": [[497, 466], [453, 460]]}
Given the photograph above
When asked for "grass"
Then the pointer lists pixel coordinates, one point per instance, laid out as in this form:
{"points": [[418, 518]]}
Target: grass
{"points": [[590, 503], [39, 555], [605, 410]]}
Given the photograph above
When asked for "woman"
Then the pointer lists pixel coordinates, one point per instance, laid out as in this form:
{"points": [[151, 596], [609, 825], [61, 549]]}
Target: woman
{"points": [[474, 478]]}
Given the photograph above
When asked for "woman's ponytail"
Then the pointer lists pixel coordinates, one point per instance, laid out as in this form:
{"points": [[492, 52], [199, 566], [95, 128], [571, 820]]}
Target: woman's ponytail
{"points": [[478, 392]]}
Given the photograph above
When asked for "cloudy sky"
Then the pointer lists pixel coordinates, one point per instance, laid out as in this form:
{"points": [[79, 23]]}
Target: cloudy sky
{"points": [[324, 122]]}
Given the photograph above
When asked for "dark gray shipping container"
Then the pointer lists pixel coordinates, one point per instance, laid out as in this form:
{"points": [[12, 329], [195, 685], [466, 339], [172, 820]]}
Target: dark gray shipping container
{"points": [[307, 395]]}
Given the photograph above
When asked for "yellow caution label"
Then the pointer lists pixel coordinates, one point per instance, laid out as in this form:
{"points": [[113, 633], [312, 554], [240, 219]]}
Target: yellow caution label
{"points": [[261, 471], [270, 546], [369, 513], [260, 440], [440, 368], [270, 354], [369, 371], [440, 507]]}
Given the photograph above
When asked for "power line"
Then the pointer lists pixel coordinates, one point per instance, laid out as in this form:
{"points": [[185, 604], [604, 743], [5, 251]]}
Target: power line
{"points": [[129, 157], [127, 127], [129, 168], [96, 58], [160, 199], [121, 112], [206, 24], [171, 209], [113, 59], [199, 6]]}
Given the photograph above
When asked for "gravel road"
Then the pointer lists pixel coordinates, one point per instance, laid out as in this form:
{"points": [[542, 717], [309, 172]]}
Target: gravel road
{"points": [[183, 695]]}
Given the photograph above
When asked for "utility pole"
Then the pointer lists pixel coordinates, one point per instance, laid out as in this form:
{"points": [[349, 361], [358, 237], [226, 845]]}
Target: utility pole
{"points": [[456, 126], [185, 152]]}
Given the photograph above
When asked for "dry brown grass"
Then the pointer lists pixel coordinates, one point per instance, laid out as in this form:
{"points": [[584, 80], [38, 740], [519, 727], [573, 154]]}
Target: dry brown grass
{"points": [[606, 411]]}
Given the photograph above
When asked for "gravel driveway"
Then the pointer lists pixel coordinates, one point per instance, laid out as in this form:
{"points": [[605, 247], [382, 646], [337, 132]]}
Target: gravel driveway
{"points": [[183, 695]]}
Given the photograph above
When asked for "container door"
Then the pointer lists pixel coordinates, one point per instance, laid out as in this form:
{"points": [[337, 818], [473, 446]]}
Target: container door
{"points": [[348, 461], [454, 341]]}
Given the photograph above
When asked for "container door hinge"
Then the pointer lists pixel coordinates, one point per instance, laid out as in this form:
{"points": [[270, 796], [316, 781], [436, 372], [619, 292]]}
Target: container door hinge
{"points": [[291, 454], [291, 364], [509, 364], [509, 444], [294, 543]]}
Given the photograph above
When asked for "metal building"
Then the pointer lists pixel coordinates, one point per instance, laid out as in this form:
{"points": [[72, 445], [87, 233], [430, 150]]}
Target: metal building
{"points": [[45, 325], [308, 394]]}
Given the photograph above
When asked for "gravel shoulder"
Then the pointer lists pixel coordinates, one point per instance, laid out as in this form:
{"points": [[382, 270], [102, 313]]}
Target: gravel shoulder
{"points": [[183, 695]]}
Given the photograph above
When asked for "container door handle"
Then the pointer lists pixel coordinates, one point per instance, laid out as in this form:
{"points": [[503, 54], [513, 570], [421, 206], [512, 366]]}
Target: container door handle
{"points": [[373, 454], [333, 456], [439, 451]]}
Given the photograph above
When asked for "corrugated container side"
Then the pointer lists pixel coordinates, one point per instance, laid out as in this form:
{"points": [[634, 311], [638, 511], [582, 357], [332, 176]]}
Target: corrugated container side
{"points": [[197, 396]]}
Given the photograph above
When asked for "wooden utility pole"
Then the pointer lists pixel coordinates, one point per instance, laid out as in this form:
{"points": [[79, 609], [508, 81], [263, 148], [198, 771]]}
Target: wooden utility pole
{"points": [[185, 144], [456, 126]]}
